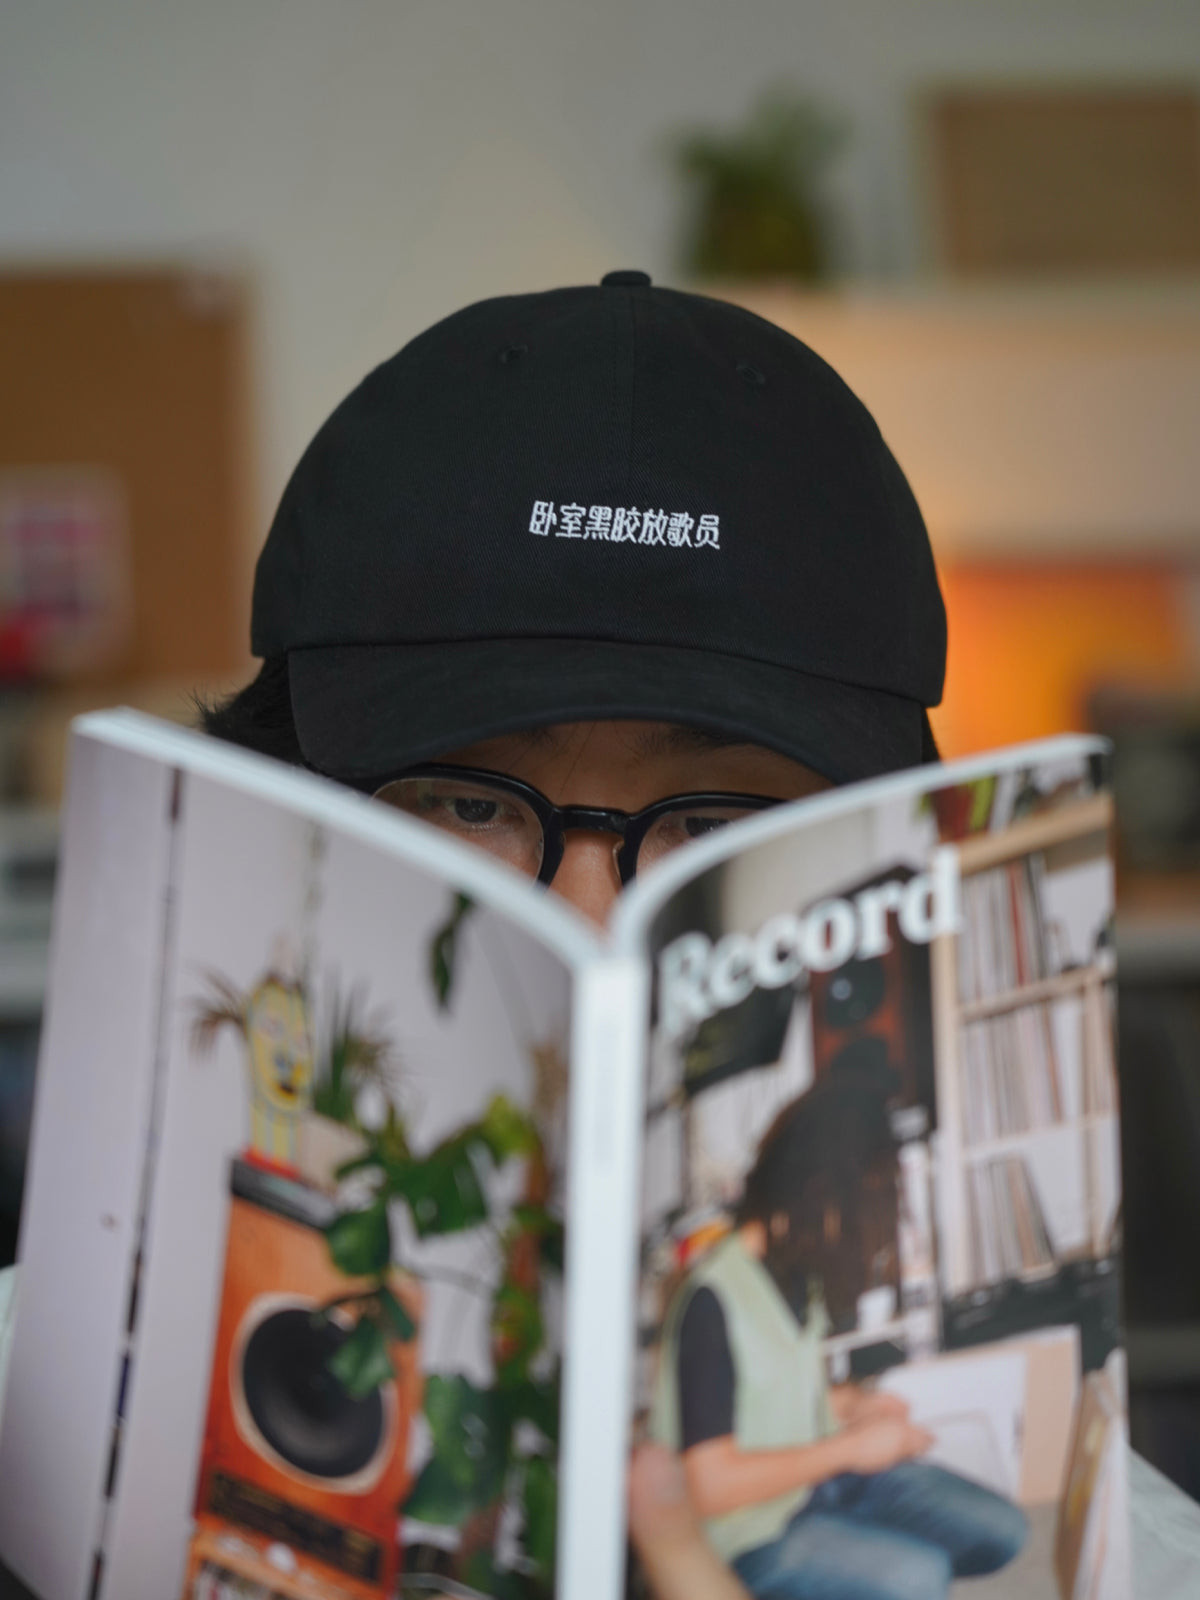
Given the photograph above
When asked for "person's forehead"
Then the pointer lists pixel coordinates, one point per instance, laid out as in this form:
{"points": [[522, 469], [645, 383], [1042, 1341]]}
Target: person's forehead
{"points": [[635, 762], [639, 741]]}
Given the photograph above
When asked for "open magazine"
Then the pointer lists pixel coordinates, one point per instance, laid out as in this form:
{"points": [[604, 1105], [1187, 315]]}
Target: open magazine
{"points": [[378, 1203]]}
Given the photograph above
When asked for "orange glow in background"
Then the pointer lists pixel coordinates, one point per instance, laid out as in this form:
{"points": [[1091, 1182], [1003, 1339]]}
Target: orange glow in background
{"points": [[1029, 642]]}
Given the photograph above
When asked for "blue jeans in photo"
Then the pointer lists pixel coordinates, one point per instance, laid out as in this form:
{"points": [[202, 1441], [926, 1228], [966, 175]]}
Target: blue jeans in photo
{"points": [[903, 1534]]}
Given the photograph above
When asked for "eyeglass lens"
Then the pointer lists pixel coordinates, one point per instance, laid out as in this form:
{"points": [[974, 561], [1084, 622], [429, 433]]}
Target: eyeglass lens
{"points": [[502, 824], [674, 828], [496, 821]]}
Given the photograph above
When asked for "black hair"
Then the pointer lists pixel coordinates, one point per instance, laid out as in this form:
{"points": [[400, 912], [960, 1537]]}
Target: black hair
{"points": [[826, 1167], [258, 717]]}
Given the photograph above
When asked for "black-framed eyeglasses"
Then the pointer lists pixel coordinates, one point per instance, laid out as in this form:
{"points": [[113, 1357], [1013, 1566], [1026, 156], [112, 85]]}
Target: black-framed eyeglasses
{"points": [[517, 823]]}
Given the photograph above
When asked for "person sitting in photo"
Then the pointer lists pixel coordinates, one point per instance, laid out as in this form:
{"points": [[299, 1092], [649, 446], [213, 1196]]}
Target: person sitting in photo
{"points": [[811, 1492]]}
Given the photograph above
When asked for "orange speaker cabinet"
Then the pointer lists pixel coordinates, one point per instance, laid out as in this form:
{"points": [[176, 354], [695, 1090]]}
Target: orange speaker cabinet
{"points": [[227, 1561], [297, 1479]]}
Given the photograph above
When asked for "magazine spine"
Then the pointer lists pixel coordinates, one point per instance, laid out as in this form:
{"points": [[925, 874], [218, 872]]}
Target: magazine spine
{"points": [[609, 1030]]}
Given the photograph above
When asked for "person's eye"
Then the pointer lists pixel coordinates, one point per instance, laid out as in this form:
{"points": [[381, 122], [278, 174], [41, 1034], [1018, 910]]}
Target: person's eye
{"points": [[491, 819], [473, 810], [469, 811], [677, 828]]}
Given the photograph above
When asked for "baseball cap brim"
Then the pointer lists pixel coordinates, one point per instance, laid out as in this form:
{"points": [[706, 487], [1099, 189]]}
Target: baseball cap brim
{"points": [[365, 712]]}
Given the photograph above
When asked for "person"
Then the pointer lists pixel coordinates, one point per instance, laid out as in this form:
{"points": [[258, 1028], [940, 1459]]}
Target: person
{"points": [[812, 1492], [581, 574]]}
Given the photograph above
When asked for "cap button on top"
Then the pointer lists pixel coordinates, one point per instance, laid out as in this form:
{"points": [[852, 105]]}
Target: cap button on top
{"points": [[625, 280]]}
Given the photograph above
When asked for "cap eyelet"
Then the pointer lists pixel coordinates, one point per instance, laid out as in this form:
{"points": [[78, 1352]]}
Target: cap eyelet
{"points": [[750, 375], [513, 353]]}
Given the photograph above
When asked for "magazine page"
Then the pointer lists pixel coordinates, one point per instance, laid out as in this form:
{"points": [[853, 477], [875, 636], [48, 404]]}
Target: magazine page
{"points": [[879, 1277], [331, 1363]]}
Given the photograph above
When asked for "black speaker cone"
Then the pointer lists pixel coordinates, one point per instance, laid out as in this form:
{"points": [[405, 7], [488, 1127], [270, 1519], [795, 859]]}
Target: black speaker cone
{"points": [[854, 992], [299, 1406]]}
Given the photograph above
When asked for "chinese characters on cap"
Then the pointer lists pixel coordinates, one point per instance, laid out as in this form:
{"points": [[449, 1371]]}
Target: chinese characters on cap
{"points": [[625, 525]]}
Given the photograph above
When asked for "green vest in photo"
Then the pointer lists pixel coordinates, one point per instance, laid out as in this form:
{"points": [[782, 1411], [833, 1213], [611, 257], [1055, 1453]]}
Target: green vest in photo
{"points": [[781, 1395]]}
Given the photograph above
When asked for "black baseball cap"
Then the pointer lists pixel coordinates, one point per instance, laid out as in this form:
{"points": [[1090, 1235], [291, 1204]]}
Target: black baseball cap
{"points": [[605, 502]]}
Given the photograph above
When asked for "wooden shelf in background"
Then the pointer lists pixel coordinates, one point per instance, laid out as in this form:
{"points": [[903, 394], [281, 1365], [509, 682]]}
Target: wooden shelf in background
{"points": [[1065, 824]]}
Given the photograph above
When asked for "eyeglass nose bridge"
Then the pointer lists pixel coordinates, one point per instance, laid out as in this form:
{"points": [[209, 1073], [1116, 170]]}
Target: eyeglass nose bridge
{"points": [[593, 819]]}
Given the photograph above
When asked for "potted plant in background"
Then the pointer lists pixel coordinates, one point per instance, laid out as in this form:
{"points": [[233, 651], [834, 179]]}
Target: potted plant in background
{"points": [[756, 204]]}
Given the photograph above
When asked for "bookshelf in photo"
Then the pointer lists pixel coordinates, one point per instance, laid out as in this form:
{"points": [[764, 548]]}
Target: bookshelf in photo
{"points": [[1026, 1169]]}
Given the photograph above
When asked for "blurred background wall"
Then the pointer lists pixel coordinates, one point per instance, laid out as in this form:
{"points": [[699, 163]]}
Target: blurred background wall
{"points": [[377, 164], [215, 218]]}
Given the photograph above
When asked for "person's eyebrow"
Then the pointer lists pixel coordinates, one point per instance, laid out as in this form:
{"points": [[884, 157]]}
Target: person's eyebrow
{"points": [[676, 739], [538, 738]]}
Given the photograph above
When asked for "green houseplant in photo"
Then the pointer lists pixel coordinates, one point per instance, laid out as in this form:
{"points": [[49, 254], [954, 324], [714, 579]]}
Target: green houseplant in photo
{"points": [[355, 1054], [492, 1445]]}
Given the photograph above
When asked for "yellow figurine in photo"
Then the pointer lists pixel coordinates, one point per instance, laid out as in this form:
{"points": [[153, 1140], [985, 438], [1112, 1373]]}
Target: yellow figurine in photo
{"points": [[274, 1022]]}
